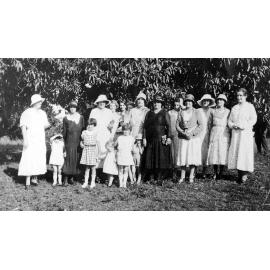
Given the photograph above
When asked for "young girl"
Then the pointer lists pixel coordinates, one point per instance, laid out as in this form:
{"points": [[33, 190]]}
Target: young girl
{"points": [[90, 152], [137, 153], [57, 157], [124, 145], [110, 165]]}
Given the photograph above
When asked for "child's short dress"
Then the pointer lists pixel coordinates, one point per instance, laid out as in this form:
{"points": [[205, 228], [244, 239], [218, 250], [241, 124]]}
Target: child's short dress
{"points": [[137, 153], [110, 165], [124, 154], [90, 150], [57, 153]]}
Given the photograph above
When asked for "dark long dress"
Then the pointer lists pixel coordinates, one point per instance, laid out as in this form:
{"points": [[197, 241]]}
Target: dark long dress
{"points": [[157, 155], [72, 136]]}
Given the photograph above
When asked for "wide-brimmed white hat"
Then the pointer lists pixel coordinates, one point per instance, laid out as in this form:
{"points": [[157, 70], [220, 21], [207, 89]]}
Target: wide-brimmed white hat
{"points": [[222, 96], [207, 97], [101, 98], [36, 98], [141, 95], [55, 136]]}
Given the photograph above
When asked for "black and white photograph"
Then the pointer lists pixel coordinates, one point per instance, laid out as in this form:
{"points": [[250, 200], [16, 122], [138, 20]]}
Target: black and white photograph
{"points": [[135, 134]]}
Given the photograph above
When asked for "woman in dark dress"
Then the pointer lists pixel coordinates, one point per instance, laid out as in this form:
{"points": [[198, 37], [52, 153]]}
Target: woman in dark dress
{"points": [[73, 125], [157, 139]]}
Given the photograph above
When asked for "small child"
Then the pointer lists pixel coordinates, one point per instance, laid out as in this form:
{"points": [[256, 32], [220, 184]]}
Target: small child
{"points": [[110, 165], [124, 158], [137, 153], [90, 152], [57, 157]]}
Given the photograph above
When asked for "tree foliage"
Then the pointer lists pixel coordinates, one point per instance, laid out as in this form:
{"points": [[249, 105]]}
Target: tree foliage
{"points": [[61, 80]]}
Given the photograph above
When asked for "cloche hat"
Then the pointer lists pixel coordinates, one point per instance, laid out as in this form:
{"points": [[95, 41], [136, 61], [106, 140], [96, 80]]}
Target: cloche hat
{"points": [[207, 97], [189, 97], [36, 98], [101, 98], [73, 104], [141, 95], [159, 99], [222, 96]]}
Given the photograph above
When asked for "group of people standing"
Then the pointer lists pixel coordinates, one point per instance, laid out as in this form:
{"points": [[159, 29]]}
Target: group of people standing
{"points": [[140, 140]]}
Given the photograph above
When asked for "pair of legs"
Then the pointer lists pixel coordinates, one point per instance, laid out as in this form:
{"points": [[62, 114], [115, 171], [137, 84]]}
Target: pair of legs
{"points": [[110, 177], [93, 176], [57, 174], [191, 175], [261, 142], [28, 180], [131, 175], [204, 169], [218, 171], [123, 175], [136, 173]]}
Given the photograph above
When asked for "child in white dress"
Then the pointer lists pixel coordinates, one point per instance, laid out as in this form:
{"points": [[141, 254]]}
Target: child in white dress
{"points": [[57, 157], [124, 145], [137, 152], [90, 152], [110, 165]]}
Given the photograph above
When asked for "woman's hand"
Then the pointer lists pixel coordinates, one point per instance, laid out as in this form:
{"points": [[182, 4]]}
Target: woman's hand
{"points": [[144, 142], [168, 141], [65, 154], [25, 143]]}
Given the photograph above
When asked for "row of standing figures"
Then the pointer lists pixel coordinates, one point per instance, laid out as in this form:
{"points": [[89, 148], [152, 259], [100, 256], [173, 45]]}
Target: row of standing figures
{"points": [[141, 140]]}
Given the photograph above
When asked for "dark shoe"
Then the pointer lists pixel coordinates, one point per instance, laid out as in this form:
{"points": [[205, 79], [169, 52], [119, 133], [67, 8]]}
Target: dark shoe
{"points": [[34, 182], [71, 181], [65, 182]]}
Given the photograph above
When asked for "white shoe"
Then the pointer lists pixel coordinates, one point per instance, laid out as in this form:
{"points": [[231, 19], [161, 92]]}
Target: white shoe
{"points": [[92, 186], [54, 184], [85, 185], [181, 180], [191, 180]]}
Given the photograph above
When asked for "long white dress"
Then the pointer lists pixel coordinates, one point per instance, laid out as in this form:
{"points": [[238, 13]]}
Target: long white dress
{"points": [[103, 117], [137, 117], [241, 151], [219, 138], [33, 160], [175, 140], [205, 135]]}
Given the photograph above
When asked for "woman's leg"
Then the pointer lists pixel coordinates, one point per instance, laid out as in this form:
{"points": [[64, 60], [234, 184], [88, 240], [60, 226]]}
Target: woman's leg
{"points": [[183, 174], [54, 175], [204, 172], [27, 181], [192, 174], [125, 176], [86, 176], [133, 169], [110, 180], [221, 170], [130, 174], [215, 172], [93, 176], [60, 175], [139, 175], [120, 175]]}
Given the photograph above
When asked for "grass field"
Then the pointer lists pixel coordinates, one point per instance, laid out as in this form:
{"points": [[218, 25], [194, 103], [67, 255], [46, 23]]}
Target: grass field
{"points": [[202, 195]]}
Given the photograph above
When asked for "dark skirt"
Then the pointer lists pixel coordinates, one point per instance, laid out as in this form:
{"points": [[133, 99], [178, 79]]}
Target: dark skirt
{"points": [[72, 160], [157, 155]]}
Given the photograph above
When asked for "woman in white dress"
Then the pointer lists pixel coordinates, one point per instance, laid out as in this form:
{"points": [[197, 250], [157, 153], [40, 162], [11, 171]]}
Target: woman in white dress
{"points": [[105, 121], [33, 123], [206, 102], [189, 126], [241, 152], [219, 137], [177, 107]]}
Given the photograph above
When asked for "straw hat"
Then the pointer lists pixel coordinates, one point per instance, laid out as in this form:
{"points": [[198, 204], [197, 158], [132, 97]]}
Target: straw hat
{"points": [[222, 96], [36, 98], [189, 97], [55, 136], [207, 97], [141, 95], [101, 98]]}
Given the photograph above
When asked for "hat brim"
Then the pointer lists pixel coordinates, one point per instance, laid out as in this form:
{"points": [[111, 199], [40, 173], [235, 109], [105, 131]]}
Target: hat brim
{"points": [[57, 135], [211, 100], [222, 99], [189, 100], [98, 101], [41, 100]]}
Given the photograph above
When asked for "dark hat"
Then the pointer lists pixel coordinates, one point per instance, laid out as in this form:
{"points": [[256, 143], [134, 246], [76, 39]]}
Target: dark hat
{"points": [[158, 99], [73, 104], [189, 97]]}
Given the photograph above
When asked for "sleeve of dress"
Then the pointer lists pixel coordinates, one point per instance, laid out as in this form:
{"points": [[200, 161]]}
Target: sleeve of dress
{"points": [[177, 125], [65, 128], [252, 119], [46, 122], [230, 119], [197, 131], [168, 125], [24, 119]]}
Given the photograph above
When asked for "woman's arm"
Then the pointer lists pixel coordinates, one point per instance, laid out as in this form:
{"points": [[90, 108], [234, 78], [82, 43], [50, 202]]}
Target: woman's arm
{"points": [[25, 139]]}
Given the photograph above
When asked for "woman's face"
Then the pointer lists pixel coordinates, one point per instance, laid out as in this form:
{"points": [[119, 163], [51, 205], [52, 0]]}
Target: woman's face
{"points": [[220, 103], [72, 110], [126, 132], [241, 97], [122, 106], [130, 107], [112, 107], [101, 105], [140, 102], [177, 105], [205, 103], [189, 104], [157, 105], [37, 105]]}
